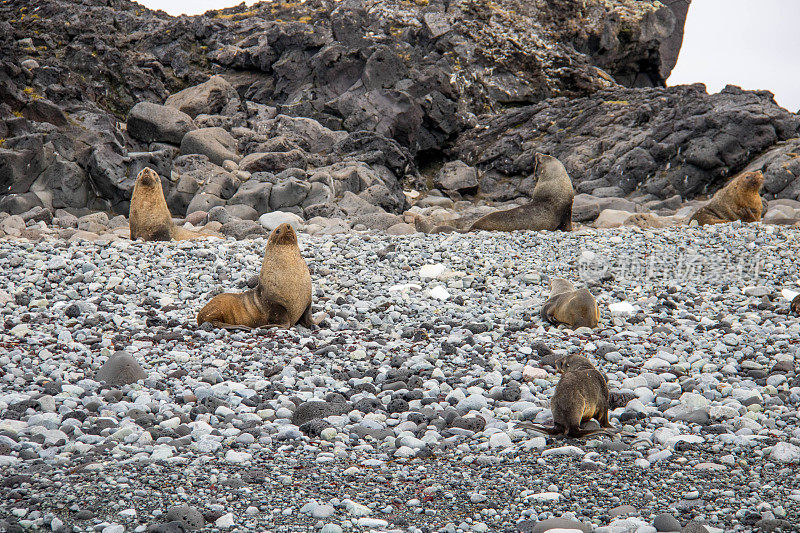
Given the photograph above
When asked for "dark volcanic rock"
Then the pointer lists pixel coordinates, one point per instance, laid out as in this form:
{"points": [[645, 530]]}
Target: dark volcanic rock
{"points": [[150, 122], [679, 140], [394, 87]]}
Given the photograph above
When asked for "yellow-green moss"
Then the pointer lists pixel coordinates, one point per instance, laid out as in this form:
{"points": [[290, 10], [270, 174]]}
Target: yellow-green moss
{"points": [[232, 15]]}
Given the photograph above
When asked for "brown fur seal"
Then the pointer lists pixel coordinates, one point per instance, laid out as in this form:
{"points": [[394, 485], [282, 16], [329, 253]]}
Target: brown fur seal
{"points": [[567, 306], [550, 207], [282, 297], [150, 218], [581, 394], [738, 200], [795, 305]]}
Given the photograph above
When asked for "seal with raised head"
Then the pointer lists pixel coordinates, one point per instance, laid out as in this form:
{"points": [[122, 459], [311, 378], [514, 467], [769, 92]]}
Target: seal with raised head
{"points": [[282, 297], [581, 394], [150, 218], [738, 200], [575, 308], [550, 207]]}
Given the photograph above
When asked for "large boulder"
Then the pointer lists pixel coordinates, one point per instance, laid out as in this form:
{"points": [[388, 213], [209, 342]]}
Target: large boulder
{"points": [[288, 192], [110, 175], [22, 159], [254, 194], [215, 143], [393, 114], [151, 122], [214, 97], [16, 204], [43, 110], [204, 202], [457, 176], [306, 133], [781, 168], [274, 162], [65, 182]]}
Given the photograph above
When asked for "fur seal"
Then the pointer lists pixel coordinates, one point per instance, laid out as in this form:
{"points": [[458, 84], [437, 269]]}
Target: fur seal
{"points": [[795, 305], [282, 297], [575, 308], [550, 207], [150, 218], [738, 200], [581, 394]]}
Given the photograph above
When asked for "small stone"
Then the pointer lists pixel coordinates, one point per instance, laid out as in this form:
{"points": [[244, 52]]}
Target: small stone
{"points": [[120, 369], [666, 522], [225, 520], [784, 452]]}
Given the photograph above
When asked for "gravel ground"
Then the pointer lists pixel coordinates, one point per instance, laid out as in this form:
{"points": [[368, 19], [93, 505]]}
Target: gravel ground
{"points": [[431, 349]]}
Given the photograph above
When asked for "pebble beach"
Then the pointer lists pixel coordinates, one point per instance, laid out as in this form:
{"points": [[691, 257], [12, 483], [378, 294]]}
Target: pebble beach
{"points": [[398, 413]]}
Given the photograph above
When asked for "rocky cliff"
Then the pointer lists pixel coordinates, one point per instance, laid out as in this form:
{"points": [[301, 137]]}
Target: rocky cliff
{"points": [[333, 108]]}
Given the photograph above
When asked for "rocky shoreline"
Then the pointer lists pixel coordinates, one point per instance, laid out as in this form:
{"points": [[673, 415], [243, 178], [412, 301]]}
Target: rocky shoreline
{"points": [[342, 112]]}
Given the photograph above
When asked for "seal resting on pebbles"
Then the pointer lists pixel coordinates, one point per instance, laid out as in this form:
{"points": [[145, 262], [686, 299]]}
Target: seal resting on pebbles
{"points": [[738, 200], [581, 394], [575, 308], [150, 218], [550, 207], [282, 297]]}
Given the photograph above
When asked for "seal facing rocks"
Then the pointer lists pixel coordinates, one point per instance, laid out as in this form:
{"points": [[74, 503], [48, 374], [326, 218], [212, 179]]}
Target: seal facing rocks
{"points": [[575, 308], [282, 297], [150, 218], [550, 207], [581, 394], [738, 200]]}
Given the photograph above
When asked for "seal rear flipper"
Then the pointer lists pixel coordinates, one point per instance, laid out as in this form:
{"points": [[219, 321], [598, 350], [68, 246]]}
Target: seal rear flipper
{"points": [[580, 433], [307, 319], [230, 327], [555, 430]]}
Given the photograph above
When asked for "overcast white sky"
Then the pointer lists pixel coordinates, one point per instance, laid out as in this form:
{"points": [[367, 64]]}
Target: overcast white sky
{"points": [[751, 43]]}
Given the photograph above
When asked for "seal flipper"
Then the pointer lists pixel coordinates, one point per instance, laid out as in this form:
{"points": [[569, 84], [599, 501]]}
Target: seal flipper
{"points": [[546, 315], [566, 220], [307, 319], [554, 430]]}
